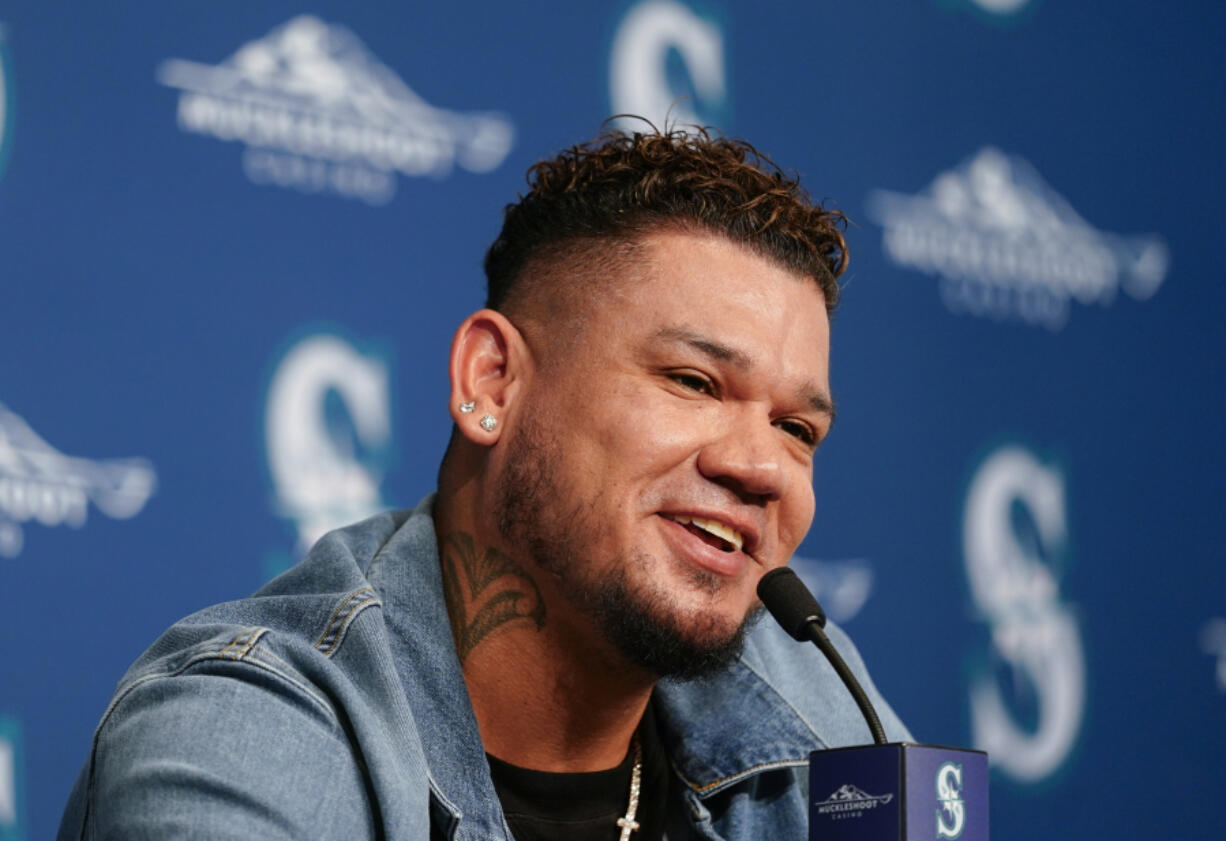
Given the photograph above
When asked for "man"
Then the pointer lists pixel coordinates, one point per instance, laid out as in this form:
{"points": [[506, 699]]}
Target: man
{"points": [[555, 645]]}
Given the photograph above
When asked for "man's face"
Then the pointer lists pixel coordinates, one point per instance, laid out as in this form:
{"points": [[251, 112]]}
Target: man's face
{"points": [[661, 462]]}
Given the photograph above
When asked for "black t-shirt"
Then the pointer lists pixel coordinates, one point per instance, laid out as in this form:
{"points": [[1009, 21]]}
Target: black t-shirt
{"points": [[545, 806]]}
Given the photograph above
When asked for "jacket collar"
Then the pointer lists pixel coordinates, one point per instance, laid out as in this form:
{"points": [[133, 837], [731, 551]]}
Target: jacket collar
{"points": [[408, 576], [717, 731]]}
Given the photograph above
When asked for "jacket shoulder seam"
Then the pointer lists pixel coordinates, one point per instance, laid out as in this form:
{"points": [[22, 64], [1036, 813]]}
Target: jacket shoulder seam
{"points": [[343, 616], [240, 649]]}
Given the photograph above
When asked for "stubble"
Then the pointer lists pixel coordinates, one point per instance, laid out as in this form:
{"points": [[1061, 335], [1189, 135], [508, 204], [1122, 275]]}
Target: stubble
{"points": [[538, 514]]}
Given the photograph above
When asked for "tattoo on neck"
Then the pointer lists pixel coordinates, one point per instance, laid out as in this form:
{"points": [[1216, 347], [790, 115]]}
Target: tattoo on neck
{"points": [[485, 589]]}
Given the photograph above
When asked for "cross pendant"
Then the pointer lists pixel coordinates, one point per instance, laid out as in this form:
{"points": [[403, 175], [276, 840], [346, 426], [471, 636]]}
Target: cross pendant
{"points": [[628, 826]]}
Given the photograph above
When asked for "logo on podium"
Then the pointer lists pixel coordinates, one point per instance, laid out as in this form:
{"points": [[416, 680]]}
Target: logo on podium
{"points": [[951, 816], [850, 802]]}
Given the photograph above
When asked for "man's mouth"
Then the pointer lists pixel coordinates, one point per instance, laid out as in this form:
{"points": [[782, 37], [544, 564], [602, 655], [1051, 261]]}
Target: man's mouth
{"points": [[717, 534]]}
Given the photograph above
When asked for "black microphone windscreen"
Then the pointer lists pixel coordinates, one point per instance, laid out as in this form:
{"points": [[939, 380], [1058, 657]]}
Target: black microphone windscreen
{"points": [[790, 602]]}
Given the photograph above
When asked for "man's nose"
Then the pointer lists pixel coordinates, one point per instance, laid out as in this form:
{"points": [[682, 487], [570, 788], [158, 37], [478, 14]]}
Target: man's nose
{"points": [[747, 459]]}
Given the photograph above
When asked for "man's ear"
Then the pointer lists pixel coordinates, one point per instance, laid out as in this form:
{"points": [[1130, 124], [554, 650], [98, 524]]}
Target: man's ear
{"points": [[489, 362]]}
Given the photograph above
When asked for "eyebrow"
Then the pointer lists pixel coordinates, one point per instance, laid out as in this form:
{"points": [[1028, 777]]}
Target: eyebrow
{"points": [[707, 346], [817, 399], [820, 402]]}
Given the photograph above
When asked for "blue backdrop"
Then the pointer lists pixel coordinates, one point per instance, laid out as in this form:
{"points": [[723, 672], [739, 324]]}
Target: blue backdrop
{"points": [[234, 243]]}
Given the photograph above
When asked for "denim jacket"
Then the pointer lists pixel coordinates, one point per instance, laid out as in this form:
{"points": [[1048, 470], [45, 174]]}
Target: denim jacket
{"points": [[331, 705]]}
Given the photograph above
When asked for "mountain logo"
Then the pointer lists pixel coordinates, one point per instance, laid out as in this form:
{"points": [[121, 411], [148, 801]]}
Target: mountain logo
{"points": [[37, 482], [1005, 245], [317, 112], [850, 802]]}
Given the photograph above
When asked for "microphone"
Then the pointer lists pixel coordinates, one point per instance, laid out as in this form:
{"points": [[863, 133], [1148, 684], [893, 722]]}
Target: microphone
{"points": [[790, 602], [794, 607], [883, 791]]}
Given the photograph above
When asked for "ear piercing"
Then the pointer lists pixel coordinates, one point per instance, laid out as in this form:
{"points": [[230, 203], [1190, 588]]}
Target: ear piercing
{"points": [[488, 422]]}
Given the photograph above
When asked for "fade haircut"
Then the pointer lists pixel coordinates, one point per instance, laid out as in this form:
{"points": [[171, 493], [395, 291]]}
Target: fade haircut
{"points": [[592, 204]]}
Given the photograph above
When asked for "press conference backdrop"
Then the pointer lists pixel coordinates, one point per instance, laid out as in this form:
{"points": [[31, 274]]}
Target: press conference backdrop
{"points": [[235, 240]]}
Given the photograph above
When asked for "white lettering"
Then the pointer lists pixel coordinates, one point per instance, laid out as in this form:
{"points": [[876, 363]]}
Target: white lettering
{"points": [[23, 499], [315, 135], [309, 175], [850, 806]]}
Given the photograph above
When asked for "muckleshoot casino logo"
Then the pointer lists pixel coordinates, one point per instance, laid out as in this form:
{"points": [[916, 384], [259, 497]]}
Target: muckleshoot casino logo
{"points": [[316, 112], [667, 63], [40, 484], [1004, 245], [850, 802]]}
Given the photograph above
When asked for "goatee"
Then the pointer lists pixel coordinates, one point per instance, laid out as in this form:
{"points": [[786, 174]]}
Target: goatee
{"points": [[640, 621]]}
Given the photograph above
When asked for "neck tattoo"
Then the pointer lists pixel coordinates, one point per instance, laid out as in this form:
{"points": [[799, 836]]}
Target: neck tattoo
{"points": [[628, 823]]}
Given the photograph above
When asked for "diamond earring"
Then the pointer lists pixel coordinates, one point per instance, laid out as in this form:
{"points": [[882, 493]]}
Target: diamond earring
{"points": [[467, 407], [488, 423]]}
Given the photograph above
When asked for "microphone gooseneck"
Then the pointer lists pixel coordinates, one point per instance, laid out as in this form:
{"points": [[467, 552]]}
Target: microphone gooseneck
{"points": [[797, 612]]}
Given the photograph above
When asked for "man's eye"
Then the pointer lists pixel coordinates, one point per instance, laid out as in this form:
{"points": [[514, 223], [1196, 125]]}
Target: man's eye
{"points": [[800, 431], [694, 382]]}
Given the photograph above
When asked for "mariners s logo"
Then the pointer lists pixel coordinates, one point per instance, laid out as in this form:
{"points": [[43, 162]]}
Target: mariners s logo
{"points": [[328, 428], [667, 64], [1015, 542], [12, 812], [951, 815]]}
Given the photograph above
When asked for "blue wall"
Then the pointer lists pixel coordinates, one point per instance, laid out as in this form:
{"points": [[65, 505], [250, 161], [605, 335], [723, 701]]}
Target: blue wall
{"points": [[227, 226]]}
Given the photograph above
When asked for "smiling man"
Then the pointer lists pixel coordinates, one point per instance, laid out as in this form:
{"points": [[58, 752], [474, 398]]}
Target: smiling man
{"points": [[561, 643]]}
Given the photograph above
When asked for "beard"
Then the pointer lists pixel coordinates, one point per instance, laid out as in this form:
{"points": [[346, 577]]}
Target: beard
{"points": [[643, 622]]}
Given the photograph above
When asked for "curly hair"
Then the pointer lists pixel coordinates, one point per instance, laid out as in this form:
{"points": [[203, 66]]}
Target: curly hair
{"points": [[618, 187]]}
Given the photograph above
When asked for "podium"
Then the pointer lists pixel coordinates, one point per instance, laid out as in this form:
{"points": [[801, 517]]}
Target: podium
{"points": [[898, 792]]}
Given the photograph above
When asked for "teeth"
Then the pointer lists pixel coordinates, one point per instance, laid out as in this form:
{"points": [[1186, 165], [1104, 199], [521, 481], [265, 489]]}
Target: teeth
{"points": [[716, 528]]}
